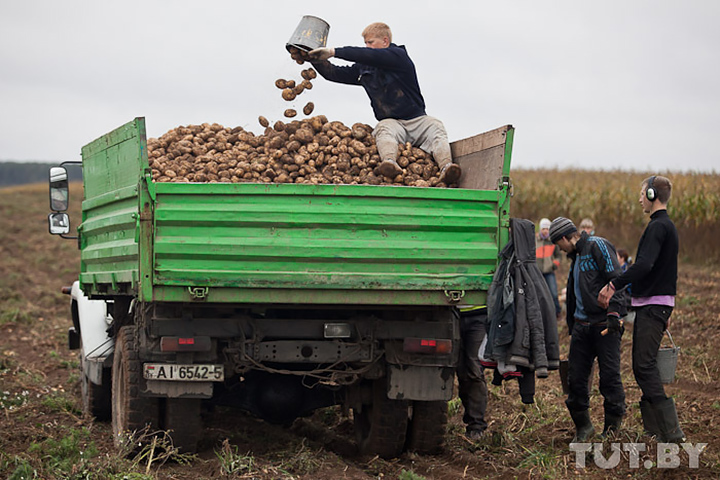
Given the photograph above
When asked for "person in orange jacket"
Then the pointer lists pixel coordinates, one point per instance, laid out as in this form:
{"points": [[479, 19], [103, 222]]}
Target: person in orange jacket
{"points": [[547, 256]]}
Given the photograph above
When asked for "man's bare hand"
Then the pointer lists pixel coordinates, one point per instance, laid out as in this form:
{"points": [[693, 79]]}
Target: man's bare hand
{"points": [[605, 295], [321, 54]]}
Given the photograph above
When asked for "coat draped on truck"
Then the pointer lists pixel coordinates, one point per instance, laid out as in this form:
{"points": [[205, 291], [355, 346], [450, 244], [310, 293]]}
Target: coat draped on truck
{"points": [[521, 323]]}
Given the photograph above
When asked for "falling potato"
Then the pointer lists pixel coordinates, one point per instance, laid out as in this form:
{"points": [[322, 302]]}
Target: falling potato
{"points": [[288, 94], [308, 108], [263, 121], [281, 83], [290, 113]]}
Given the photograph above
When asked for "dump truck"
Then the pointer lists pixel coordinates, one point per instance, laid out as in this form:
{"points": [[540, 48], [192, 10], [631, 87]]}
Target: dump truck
{"points": [[279, 299]]}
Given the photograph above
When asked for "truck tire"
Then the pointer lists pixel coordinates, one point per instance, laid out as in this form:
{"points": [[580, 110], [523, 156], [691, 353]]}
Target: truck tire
{"points": [[97, 399], [184, 423], [381, 427], [426, 432], [131, 413]]}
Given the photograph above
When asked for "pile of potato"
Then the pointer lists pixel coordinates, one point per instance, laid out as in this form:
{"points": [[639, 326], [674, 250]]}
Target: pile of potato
{"points": [[313, 150]]}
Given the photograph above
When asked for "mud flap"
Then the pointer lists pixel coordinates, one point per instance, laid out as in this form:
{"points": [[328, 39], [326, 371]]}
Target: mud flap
{"points": [[407, 382]]}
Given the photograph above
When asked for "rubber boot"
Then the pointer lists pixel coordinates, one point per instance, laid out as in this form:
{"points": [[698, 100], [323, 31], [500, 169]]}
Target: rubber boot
{"points": [[612, 424], [649, 418], [668, 423], [584, 429]]}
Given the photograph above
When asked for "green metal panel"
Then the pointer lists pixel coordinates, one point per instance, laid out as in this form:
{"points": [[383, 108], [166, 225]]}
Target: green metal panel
{"points": [[505, 190], [108, 233], [324, 237]]}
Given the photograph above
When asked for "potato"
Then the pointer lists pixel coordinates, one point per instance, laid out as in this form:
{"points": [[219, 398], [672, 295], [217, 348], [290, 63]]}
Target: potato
{"points": [[290, 113], [281, 83], [263, 121], [288, 94], [308, 108]]}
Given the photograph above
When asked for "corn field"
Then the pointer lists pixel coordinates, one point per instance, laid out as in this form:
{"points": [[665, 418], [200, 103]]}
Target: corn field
{"points": [[610, 199]]}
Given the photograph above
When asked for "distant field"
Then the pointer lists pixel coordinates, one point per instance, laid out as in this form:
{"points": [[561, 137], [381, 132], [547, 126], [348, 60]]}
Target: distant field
{"points": [[610, 199]]}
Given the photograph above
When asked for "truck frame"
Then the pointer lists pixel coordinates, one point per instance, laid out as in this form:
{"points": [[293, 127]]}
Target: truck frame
{"points": [[279, 299]]}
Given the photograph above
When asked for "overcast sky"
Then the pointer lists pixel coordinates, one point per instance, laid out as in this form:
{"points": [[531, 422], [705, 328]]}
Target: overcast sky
{"points": [[622, 84]]}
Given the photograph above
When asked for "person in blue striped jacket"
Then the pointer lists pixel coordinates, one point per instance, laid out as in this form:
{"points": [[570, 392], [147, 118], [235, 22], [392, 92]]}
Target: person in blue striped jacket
{"points": [[595, 330]]}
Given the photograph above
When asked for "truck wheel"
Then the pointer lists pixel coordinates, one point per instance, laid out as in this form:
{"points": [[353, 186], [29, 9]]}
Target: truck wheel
{"points": [[131, 413], [97, 399], [380, 427], [184, 423], [426, 432]]}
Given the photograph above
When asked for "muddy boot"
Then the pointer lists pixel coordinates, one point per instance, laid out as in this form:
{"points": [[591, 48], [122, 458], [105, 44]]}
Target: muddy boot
{"points": [[650, 423], [584, 429], [612, 424], [390, 169], [667, 421], [450, 173]]}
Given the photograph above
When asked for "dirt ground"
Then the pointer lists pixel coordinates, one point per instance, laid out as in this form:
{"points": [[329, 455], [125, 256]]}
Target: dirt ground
{"points": [[40, 402]]}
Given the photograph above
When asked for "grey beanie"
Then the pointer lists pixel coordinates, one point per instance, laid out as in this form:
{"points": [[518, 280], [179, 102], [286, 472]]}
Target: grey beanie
{"points": [[561, 227]]}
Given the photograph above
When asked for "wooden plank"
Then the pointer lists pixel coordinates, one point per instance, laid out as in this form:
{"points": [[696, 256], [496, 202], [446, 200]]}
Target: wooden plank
{"points": [[482, 170], [483, 141]]}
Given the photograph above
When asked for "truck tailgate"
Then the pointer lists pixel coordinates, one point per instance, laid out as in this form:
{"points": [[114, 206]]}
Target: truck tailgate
{"points": [[284, 243]]}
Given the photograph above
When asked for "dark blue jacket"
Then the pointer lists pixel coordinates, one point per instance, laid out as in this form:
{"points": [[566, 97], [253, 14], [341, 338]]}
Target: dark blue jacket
{"points": [[594, 264], [387, 75]]}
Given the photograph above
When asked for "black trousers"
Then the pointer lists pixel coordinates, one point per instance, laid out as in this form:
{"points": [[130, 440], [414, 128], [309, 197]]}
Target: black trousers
{"points": [[650, 324], [472, 388], [586, 344]]}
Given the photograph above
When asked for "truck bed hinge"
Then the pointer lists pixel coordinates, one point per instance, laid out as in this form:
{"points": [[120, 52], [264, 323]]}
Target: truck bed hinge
{"points": [[454, 296], [198, 293]]}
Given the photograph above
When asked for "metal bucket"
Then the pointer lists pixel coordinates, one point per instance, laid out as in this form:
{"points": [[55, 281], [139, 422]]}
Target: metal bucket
{"points": [[667, 359], [311, 33]]}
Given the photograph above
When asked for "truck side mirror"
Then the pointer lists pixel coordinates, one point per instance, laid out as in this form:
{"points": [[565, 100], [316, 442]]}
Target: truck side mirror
{"points": [[59, 192], [59, 223]]}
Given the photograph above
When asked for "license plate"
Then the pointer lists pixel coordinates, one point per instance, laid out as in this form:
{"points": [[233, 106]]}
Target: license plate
{"points": [[184, 373]]}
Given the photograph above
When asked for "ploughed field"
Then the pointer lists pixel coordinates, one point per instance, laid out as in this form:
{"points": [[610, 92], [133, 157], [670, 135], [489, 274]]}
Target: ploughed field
{"points": [[46, 436]]}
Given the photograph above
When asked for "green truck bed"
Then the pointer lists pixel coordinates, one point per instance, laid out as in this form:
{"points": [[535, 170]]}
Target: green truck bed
{"points": [[255, 243]]}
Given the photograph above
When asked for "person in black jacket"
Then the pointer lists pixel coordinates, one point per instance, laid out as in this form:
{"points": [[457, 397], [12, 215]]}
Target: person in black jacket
{"points": [[596, 330], [654, 285], [388, 75]]}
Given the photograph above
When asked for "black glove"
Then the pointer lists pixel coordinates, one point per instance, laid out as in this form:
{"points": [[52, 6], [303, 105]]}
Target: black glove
{"points": [[614, 323]]}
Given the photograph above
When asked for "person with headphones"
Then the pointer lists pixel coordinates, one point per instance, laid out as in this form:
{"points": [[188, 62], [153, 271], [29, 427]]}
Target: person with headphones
{"points": [[654, 284]]}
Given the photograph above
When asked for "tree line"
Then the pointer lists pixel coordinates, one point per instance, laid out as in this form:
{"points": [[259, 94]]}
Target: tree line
{"points": [[20, 173]]}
